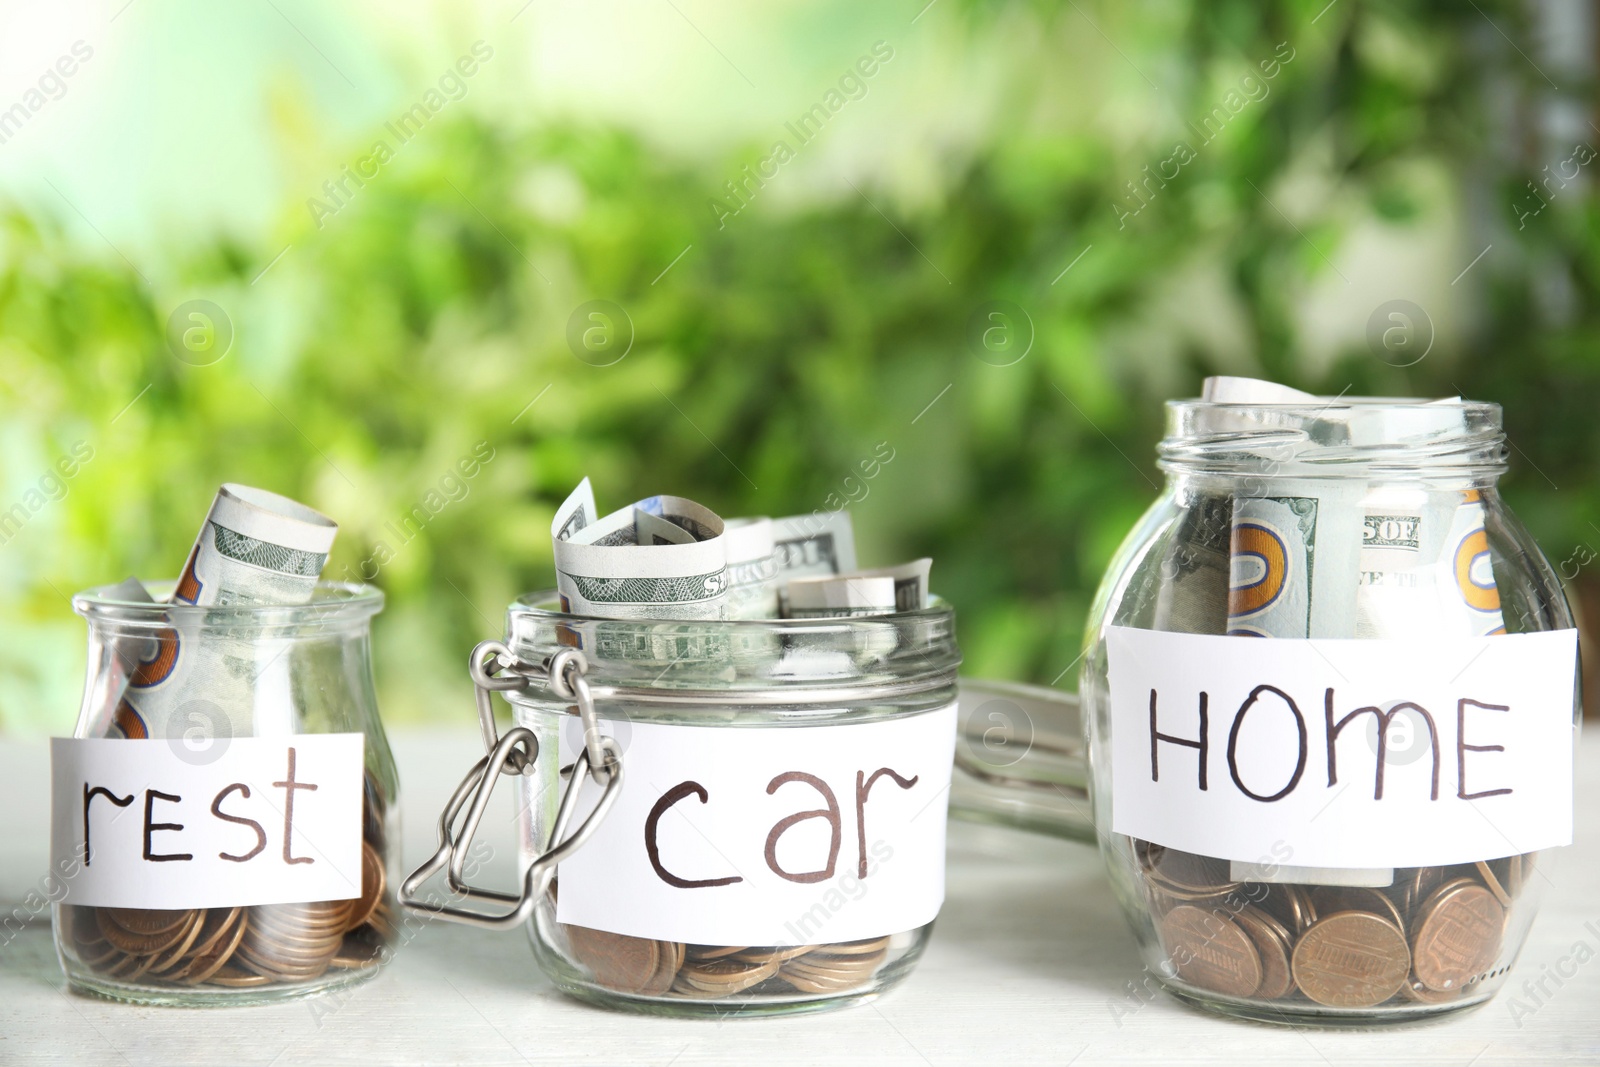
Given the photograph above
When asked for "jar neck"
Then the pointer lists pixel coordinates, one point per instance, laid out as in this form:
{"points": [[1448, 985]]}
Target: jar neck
{"points": [[1443, 444]]}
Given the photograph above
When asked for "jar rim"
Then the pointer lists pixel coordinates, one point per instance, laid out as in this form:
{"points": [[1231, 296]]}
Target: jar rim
{"points": [[897, 653], [1398, 437], [538, 605], [332, 602]]}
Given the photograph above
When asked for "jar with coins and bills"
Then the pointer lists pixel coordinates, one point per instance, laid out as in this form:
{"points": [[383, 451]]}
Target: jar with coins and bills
{"points": [[779, 844], [1330, 699], [221, 818]]}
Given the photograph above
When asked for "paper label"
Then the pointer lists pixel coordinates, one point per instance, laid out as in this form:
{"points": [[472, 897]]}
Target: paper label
{"points": [[147, 824], [767, 835], [1270, 750]]}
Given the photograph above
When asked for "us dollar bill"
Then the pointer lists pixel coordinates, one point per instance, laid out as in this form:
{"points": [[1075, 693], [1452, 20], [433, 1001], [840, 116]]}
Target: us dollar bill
{"points": [[814, 544], [1192, 595], [254, 548], [625, 566], [1271, 563], [875, 591], [752, 569], [838, 596]]}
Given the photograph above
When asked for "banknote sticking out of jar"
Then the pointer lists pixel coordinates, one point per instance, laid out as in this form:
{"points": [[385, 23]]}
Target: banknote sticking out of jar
{"points": [[220, 819], [1329, 703], [765, 830]]}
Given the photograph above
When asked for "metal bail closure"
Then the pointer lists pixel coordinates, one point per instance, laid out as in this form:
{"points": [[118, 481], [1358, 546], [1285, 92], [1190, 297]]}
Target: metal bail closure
{"points": [[515, 752]]}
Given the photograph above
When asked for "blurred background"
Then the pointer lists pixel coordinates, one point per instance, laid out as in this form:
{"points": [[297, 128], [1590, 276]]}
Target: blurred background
{"points": [[729, 251]]}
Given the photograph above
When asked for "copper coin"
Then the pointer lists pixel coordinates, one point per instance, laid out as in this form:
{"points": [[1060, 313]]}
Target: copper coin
{"points": [[712, 952], [1412, 887], [1329, 899], [1186, 875], [140, 942], [761, 955], [147, 921], [373, 883], [1351, 959], [617, 961], [671, 959], [1458, 935], [357, 954], [219, 926], [866, 947], [1291, 905], [171, 957], [1491, 882], [1210, 950], [727, 976], [236, 977], [217, 955], [1273, 943]]}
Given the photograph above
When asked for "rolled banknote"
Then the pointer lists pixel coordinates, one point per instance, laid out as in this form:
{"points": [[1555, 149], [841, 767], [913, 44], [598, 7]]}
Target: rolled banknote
{"points": [[877, 591], [604, 567], [837, 596], [752, 569], [255, 547], [813, 544], [1192, 596], [1474, 588]]}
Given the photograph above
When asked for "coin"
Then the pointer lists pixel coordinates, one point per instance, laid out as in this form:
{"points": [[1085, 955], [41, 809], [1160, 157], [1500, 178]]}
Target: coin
{"points": [[1291, 905], [1273, 944], [373, 882], [866, 947], [810, 977], [1184, 875], [239, 978], [211, 959], [1351, 959], [616, 961], [711, 952], [1412, 887], [1328, 899], [147, 921], [1492, 882], [1458, 935], [671, 954], [171, 957], [151, 938], [727, 976], [761, 955], [1210, 950], [357, 953]]}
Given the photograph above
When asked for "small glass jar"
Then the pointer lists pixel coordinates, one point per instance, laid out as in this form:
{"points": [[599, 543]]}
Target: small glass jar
{"points": [[278, 672], [1375, 523], [757, 693]]}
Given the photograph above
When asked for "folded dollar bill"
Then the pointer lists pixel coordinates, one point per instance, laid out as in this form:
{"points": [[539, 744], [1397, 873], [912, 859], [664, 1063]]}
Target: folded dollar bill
{"points": [[663, 557], [254, 548]]}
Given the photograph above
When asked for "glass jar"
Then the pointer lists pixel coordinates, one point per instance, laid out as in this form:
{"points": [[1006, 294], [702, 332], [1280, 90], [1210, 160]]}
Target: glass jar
{"points": [[1402, 606], [276, 704], [778, 843]]}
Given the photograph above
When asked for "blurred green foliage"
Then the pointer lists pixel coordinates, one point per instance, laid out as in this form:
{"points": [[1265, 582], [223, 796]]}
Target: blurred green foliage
{"points": [[430, 313]]}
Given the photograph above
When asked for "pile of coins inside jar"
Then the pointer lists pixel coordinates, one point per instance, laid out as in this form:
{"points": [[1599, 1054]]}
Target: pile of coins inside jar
{"points": [[244, 947], [1430, 937], [644, 967]]}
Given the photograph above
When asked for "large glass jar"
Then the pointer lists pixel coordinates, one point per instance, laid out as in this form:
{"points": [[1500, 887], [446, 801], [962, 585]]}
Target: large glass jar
{"points": [[276, 703], [776, 840], [1344, 578]]}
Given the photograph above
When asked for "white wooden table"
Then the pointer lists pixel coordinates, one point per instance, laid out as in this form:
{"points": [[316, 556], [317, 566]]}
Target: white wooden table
{"points": [[1030, 963]]}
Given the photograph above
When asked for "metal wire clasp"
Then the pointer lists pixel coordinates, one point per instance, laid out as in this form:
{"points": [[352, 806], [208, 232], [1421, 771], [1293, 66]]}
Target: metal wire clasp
{"points": [[495, 669]]}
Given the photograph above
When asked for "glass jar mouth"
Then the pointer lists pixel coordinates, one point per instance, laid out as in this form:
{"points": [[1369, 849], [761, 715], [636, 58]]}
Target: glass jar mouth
{"points": [[1388, 437], [914, 649], [333, 604]]}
